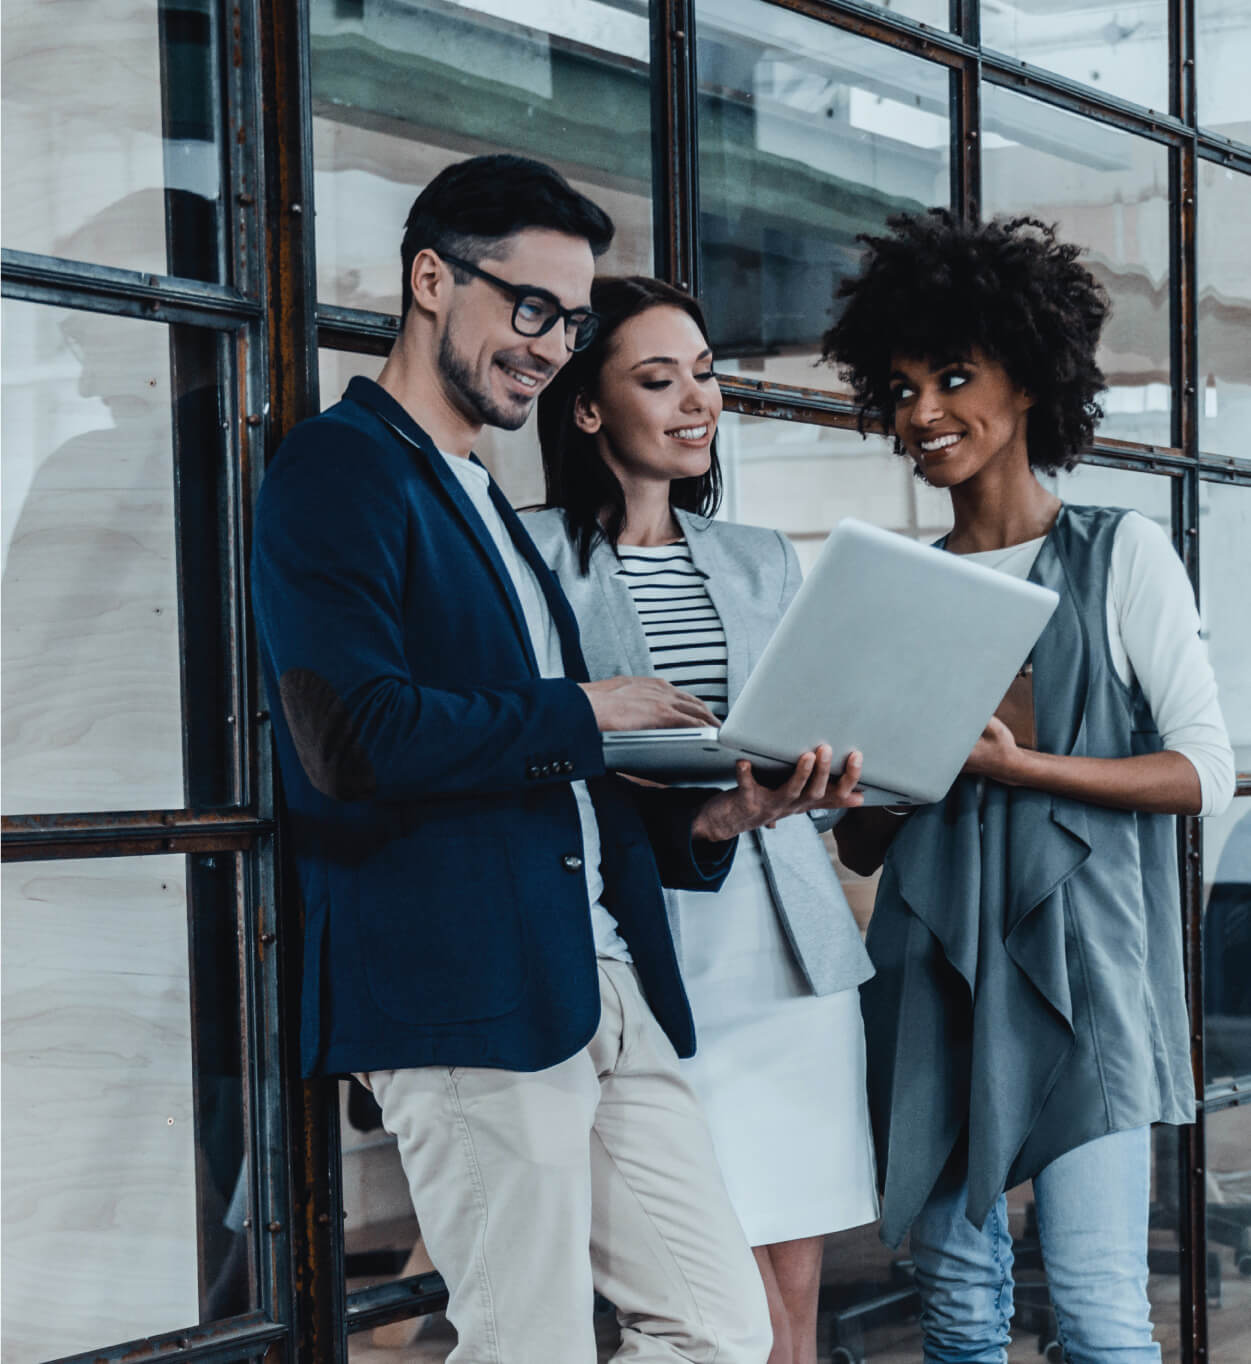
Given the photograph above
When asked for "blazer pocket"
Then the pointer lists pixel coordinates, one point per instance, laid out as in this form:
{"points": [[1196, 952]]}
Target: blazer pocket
{"points": [[440, 927]]}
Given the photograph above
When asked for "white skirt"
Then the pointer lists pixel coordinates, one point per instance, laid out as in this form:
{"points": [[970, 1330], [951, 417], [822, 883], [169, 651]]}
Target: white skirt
{"points": [[780, 1072]]}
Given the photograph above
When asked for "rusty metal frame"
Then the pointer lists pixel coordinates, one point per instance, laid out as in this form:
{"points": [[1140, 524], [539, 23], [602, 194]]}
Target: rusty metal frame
{"points": [[252, 1336], [40, 838], [415, 1296], [314, 1236], [675, 172]]}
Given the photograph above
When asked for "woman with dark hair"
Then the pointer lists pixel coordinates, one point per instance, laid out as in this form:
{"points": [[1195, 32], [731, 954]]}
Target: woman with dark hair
{"points": [[1028, 1016], [771, 963]]}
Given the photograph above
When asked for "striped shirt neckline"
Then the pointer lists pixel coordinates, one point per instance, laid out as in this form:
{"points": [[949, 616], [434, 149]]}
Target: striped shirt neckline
{"points": [[685, 635]]}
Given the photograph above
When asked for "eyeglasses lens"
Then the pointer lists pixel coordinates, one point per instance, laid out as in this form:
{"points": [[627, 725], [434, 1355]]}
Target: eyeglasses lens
{"points": [[534, 315]]}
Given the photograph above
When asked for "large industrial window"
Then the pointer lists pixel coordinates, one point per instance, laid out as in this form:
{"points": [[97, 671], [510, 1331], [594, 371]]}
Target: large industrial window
{"points": [[202, 211]]}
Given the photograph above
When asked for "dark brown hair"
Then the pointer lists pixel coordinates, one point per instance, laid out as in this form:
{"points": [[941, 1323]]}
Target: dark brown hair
{"points": [[577, 479]]}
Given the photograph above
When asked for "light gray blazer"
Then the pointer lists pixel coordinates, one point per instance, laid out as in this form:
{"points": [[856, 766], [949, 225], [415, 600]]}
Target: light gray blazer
{"points": [[751, 575]]}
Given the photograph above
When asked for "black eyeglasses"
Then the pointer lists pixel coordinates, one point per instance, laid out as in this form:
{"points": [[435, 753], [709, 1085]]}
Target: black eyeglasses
{"points": [[535, 311]]}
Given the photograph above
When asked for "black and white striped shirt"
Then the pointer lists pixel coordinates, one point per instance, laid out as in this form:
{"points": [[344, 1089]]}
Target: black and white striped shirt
{"points": [[684, 633]]}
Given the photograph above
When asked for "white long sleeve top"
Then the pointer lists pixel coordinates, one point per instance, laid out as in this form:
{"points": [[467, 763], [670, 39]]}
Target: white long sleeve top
{"points": [[1153, 636]]}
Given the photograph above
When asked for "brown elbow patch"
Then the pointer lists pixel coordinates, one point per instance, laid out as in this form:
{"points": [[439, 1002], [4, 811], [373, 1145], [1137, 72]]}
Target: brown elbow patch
{"points": [[321, 731]]}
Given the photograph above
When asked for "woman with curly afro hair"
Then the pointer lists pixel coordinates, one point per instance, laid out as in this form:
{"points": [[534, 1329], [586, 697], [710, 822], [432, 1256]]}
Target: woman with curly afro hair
{"points": [[1028, 1016]]}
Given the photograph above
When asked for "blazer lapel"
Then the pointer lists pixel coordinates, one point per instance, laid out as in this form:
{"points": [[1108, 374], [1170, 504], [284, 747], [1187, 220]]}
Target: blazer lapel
{"points": [[620, 614], [706, 556], [436, 465]]}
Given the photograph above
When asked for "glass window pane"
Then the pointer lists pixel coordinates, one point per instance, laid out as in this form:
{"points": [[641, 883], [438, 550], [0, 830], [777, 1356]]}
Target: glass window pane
{"points": [[125, 1180], [1108, 191], [803, 479], [1224, 535], [108, 422], [808, 135], [511, 456], [1116, 49], [110, 133], [403, 88], [1228, 1186], [1224, 270], [1227, 944], [1223, 29], [1097, 485]]}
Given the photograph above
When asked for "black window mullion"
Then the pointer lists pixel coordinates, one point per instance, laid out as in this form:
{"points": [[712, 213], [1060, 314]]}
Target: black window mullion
{"points": [[675, 169], [1182, 31], [966, 138], [33, 278], [306, 1238]]}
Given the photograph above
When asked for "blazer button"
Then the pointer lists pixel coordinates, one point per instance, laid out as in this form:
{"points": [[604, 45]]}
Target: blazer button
{"points": [[532, 773], [571, 862], [566, 766]]}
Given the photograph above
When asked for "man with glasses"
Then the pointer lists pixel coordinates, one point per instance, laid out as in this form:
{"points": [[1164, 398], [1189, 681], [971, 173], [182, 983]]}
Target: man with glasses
{"points": [[485, 937]]}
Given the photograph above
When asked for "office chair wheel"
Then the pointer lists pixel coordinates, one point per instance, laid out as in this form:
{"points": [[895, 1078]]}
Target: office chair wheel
{"points": [[1242, 1253], [1049, 1339], [847, 1347]]}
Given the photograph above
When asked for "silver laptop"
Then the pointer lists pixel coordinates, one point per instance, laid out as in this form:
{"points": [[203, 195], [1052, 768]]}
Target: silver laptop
{"points": [[894, 648]]}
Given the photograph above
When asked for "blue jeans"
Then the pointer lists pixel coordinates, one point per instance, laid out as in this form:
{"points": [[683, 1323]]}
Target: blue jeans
{"points": [[1092, 1206]]}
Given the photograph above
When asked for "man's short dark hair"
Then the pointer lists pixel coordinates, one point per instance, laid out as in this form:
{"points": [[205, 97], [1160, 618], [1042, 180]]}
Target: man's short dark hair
{"points": [[935, 288], [469, 207]]}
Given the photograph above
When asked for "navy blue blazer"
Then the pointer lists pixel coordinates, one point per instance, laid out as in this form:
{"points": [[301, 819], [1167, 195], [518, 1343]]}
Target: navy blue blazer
{"points": [[426, 769]]}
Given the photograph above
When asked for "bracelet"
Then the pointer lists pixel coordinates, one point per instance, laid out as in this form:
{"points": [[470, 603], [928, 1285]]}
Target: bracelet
{"points": [[900, 812]]}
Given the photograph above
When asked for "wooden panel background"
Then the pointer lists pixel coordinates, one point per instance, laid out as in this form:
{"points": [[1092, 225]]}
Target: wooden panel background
{"points": [[92, 717], [99, 1216]]}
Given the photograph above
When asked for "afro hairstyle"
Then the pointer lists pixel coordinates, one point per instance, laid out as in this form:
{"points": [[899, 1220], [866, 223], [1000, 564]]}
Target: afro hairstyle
{"points": [[936, 289]]}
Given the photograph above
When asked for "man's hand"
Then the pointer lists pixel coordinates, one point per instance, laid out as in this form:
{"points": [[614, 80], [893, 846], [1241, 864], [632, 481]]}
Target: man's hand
{"points": [[645, 703], [751, 805]]}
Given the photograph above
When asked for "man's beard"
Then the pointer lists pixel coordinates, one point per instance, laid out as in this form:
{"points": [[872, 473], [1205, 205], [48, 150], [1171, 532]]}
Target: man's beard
{"points": [[475, 402]]}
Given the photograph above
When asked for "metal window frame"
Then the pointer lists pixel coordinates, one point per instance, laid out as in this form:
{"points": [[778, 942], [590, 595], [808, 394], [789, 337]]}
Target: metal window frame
{"points": [[269, 322]]}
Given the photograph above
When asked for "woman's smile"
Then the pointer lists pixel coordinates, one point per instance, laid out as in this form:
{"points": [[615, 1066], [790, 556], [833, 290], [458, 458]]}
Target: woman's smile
{"points": [[956, 417]]}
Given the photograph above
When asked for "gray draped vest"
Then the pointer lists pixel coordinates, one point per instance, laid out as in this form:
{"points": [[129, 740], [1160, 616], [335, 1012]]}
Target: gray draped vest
{"points": [[1029, 994]]}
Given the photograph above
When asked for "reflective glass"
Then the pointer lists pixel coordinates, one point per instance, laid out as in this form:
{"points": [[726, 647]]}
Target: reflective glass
{"points": [[511, 456], [1223, 31], [125, 1182], [935, 13], [403, 88], [1227, 944], [802, 479], [1097, 485], [108, 423], [1224, 537], [1224, 270], [110, 133], [1228, 1188], [1106, 190], [1118, 50], [808, 135]]}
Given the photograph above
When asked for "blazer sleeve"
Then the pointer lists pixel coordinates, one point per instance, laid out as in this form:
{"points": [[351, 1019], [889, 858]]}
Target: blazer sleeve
{"points": [[683, 863], [329, 579]]}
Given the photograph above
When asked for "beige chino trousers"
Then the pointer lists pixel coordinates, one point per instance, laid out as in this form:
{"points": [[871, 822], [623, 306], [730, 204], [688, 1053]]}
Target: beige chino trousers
{"points": [[535, 1189]]}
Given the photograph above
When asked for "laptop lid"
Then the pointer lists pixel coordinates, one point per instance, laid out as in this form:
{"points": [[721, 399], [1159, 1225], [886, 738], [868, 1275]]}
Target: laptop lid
{"points": [[894, 648]]}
